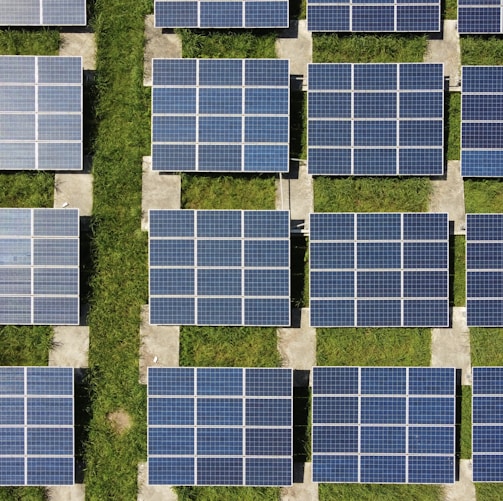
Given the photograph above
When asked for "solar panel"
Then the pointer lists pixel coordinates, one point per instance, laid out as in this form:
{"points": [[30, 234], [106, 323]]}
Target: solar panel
{"points": [[221, 14], [375, 119], [384, 425], [40, 113], [43, 13], [482, 121], [219, 267], [373, 15], [487, 424], [479, 16], [484, 270], [376, 270], [228, 426], [220, 115], [36, 426], [39, 266]]}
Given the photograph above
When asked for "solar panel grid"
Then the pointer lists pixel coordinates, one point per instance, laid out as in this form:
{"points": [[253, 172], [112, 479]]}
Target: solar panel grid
{"points": [[479, 16], [39, 266], [40, 113], [219, 267], [378, 269], [375, 119], [216, 115], [482, 121], [43, 13], [383, 425], [36, 426], [220, 426]]}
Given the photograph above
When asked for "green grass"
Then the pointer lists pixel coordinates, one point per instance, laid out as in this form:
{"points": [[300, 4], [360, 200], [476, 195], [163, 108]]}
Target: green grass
{"points": [[453, 110], [450, 9], [329, 48], [395, 347], [371, 194], [42, 42], [369, 492], [481, 50], [227, 44], [228, 192], [464, 422], [227, 493], [27, 189], [483, 195], [486, 346], [488, 492], [25, 345], [457, 270], [23, 494]]}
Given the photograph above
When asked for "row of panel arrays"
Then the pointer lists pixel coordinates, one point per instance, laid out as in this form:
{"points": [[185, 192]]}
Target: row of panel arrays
{"points": [[228, 426], [40, 113], [43, 13], [219, 267], [375, 119], [39, 266], [221, 14], [479, 16], [217, 115], [36, 426], [484, 270], [379, 269], [373, 15], [384, 425], [482, 121]]}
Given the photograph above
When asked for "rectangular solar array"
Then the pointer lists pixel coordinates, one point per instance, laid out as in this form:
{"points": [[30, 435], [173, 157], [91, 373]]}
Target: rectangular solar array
{"points": [[220, 426], [219, 267], [482, 121], [40, 113], [384, 425], [43, 13], [373, 15], [220, 115], [479, 16], [487, 424], [36, 426], [484, 270], [221, 14], [375, 119], [376, 270], [39, 266]]}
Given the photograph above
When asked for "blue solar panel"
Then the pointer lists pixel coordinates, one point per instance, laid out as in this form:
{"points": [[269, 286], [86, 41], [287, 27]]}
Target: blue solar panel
{"points": [[43, 13], [39, 266], [216, 115], [219, 267], [487, 424], [479, 16], [379, 269], [481, 121], [210, 426], [484, 270], [373, 15], [221, 14], [375, 119], [36, 415], [383, 424]]}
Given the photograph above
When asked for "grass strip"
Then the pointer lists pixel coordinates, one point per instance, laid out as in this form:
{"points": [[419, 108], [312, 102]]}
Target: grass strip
{"points": [[486, 346], [457, 276], [453, 125], [483, 195], [481, 50], [372, 492], [464, 422]]}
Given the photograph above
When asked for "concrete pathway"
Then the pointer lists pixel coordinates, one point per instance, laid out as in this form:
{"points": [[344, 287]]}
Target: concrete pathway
{"points": [[152, 492], [75, 190], [76, 492], [447, 50], [448, 196], [70, 346], [464, 489], [451, 347], [159, 345], [305, 491], [158, 44], [79, 43], [159, 191]]}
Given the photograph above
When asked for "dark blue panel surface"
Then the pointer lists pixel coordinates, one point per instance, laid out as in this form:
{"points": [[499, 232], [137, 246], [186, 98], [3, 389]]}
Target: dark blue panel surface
{"points": [[382, 469], [335, 380], [171, 471], [219, 471], [269, 471], [330, 439], [170, 411], [219, 382], [432, 469], [219, 441], [335, 468], [383, 381]]}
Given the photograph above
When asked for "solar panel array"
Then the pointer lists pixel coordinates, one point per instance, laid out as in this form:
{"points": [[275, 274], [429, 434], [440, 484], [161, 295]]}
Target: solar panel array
{"points": [[219, 267], [39, 266], [40, 113], [479, 16], [484, 270], [373, 15], [220, 115], [43, 13], [482, 121], [375, 119], [384, 425], [36, 426], [379, 269], [221, 14], [211, 426]]}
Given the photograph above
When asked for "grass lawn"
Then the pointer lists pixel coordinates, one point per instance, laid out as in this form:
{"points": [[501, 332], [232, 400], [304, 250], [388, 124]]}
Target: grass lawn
{"points": [[369, 492], [457, 270], [227, 494], [453, 124], [464, 422], [483, 195], [481, 50], [487, 346]]}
